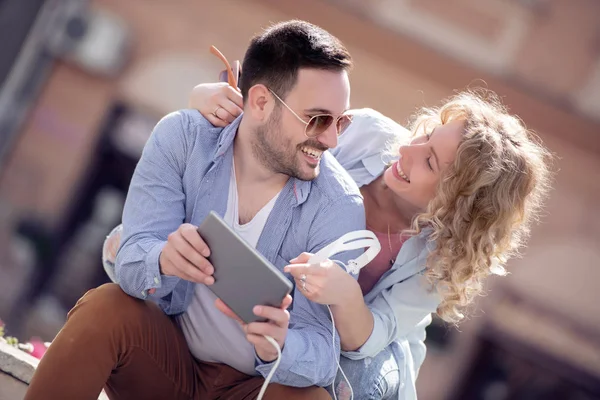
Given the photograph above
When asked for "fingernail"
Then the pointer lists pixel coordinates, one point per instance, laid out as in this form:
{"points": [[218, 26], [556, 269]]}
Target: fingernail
{"points": [[209, 281], [257, 310], [206, 252]]}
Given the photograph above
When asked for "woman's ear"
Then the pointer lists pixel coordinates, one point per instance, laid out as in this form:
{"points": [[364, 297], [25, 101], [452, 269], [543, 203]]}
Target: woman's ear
{"points": [[237, 72], [223, 76]]}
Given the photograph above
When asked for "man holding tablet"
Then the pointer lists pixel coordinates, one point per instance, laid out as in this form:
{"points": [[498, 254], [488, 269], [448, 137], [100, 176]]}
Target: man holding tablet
{"points": [[269, 176]]}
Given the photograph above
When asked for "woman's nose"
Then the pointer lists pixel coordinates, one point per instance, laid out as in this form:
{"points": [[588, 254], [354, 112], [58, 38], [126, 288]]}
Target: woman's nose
{"points": [[408, 153], [405, 151]]}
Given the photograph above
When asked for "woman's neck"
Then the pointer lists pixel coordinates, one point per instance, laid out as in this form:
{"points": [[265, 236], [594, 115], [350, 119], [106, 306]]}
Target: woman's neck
{"points": [[382, 211]]}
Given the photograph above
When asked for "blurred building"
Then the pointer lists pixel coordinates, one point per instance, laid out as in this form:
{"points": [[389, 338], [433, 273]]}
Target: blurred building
{"points": [[83, 84]]}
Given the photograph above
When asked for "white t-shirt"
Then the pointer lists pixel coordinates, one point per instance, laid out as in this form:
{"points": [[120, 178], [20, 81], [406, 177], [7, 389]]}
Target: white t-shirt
{"points": [[210, 335]]}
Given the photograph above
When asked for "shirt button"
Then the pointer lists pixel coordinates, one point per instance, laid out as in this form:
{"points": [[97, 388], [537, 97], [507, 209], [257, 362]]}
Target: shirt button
{"points": [[156, 280]]}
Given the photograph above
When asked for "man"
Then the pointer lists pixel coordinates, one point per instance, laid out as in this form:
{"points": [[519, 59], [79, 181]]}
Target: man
{"points": [[270, 176]]}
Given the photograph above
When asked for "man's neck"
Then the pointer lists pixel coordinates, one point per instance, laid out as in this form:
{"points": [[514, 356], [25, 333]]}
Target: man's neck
{"points": [[256, 183], [248, 169]]}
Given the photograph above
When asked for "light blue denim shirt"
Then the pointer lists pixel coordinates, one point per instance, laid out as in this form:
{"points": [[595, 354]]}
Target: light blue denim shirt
{"points": [[182, 175], [401, 301]]}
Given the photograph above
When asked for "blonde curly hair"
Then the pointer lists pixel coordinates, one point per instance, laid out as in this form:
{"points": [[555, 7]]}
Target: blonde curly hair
{"points": [[485, 202]]}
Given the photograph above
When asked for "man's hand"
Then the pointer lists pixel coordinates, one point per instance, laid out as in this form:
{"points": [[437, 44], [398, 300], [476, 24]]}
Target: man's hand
{"points": [[184, 256], [276, 326]]}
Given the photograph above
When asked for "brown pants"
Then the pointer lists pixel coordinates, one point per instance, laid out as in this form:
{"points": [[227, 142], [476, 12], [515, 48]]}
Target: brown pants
{"points": [[133, 350]]}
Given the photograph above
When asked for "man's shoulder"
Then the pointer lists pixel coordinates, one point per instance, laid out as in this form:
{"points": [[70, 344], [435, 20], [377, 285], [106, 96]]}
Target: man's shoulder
{"points": [[190, 127], [334, 183], [190, 120]]}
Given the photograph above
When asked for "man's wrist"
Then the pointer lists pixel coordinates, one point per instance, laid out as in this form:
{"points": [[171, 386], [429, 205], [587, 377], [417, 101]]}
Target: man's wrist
{"points": [[160, 263], [265, 359], [269, 357]]}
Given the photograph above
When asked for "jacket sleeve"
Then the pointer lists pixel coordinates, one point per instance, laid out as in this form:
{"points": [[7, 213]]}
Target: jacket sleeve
{"points": [[154, 208], [396, 312]]}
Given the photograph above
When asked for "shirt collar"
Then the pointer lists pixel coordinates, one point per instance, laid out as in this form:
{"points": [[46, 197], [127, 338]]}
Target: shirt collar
{"points": [[301, 189], [226, 137]]}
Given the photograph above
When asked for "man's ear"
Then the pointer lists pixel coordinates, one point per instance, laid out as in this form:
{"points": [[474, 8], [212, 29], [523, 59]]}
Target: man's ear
{"points": [[259, 102]]}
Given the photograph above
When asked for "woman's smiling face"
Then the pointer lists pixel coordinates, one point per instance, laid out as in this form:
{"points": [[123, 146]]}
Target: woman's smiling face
{"points": [[415, 176]]}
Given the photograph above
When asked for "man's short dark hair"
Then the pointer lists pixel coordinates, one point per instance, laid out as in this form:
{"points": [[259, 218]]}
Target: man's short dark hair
{"points": [[275, 56]]}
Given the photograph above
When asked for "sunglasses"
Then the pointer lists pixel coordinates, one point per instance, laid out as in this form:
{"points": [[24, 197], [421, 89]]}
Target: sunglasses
{"points": [[318, 124]]}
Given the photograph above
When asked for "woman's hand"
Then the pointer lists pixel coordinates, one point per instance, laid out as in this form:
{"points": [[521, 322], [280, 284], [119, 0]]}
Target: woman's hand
{"points": [[328, 283], [217, 102], [325, 283]]}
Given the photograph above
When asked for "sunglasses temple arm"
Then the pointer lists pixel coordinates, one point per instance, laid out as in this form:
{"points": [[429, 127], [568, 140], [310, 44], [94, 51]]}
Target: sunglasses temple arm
{"points": [[231, 80]]}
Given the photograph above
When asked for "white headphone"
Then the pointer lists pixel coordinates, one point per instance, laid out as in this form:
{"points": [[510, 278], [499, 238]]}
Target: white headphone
{"points": [[350, 241]]}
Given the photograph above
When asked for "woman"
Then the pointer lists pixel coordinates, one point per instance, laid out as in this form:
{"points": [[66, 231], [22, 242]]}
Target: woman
{"points": [[455, 203]]}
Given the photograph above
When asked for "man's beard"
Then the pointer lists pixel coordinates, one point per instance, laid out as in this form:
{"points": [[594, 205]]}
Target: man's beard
{"points": [[278, 153]]}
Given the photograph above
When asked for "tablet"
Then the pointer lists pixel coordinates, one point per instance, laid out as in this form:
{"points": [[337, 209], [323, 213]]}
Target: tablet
{"points": [[244, 278]]}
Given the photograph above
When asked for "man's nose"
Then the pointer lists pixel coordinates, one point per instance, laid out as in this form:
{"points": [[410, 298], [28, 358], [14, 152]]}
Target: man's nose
{"points": [[329, 138]]}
